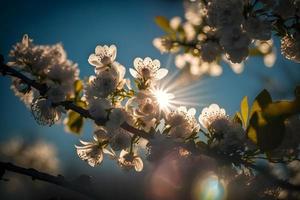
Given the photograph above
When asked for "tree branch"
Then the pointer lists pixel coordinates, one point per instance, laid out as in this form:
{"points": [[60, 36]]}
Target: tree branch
{"points": [[57, 180], [68, 105]]}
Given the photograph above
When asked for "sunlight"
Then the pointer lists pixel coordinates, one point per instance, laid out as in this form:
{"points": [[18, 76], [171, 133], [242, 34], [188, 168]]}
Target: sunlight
{"points": [[163, 98], [211, 188]]}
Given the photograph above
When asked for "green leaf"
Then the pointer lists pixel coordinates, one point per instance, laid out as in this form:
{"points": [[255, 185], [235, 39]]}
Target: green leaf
{"points": [[74, 122], [282, 109], [245, 110], [238, 118], [255, 52], [261, 101], [78, 88], [164, 24], [268, 135]]}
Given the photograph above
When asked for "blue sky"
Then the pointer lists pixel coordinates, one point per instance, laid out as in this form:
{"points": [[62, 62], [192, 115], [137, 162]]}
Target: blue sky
{"points": [[80, 26]]}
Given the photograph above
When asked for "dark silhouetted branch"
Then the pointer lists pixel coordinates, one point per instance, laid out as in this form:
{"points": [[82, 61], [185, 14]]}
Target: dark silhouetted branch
{"points": [[57, 180], [68, 105]]}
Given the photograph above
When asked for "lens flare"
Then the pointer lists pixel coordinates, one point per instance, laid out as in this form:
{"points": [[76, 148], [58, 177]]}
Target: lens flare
{"points": [[163, 98], [210, 188]]}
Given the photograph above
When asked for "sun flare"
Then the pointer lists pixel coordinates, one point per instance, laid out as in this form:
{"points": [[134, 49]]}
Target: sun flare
{"points": [[163, 99]]}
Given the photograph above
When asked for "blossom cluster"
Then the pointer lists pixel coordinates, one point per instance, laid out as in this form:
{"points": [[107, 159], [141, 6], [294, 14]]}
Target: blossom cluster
{"points": [[46, 65], [121, 110], [231, 31]]}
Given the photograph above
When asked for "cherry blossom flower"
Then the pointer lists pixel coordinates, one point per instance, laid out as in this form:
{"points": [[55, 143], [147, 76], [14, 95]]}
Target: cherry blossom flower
{"points": [[106, 82], [98, 108], [44, 112], [147, 69], [210, 50], [144, 107], [92, 152], [165, 45], [182, 122], [116, 118], [225, 13], [269, 51], [210, 114], [103, 56], [197, 66], [175, 22], [23, 91], [47, 64], [130, 160], [257, 28], [119, 139], [290, 47], [235, 43], [194, 11]]}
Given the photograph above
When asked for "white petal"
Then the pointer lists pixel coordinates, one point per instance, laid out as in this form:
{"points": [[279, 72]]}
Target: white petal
{"points": [[110, 152], [128, 84], [123, 153], [192, 111], [156, 63], [137, 63], [161, 73], [96, 160], [93, 60], [99, 50], [122, 71], [138, 164], [147, 61], [85, 143], [113, 50], [133, 73]]}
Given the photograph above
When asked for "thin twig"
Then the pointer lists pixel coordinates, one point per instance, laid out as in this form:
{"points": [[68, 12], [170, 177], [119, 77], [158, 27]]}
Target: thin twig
{"points": [[68, 105], [57, 180]]}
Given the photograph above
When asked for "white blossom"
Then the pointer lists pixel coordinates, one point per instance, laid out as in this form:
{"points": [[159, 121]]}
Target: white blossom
{"points": [[103, 56], [257, 28], [197, 66], [56, 94], [130, 160], [225, 13], [228, 136], [194, 11], [98, 108], [116, 118], [144, 107], [64, 74], [236, 67], [23, 91], [189, 30], [165, 45], [175, 22], [106, 82], [235, 43], [290, 47], [210, 50], [92, 152], [44, 112], [182, 122], [210, 114], [119, 139], [47, 64], [147, 69]]}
